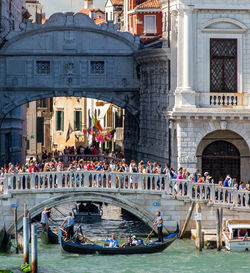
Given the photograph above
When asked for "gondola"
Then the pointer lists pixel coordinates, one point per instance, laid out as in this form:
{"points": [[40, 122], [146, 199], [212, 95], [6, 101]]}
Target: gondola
{"points": [[48, 237], [5, 241], [153, 247]]}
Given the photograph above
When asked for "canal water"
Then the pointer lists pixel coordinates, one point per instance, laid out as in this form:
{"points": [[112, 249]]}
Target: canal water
{"points": [[181, 256]]}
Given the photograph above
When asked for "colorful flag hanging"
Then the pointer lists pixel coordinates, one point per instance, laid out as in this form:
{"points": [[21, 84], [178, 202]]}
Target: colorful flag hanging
{"points": [[98, 125]]}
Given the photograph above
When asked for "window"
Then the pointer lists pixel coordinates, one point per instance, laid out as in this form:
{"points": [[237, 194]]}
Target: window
{"points": [[97, 67], [149, 24], [223, 65], [43, 67], [59, 121], [42, 103], [40, 130], [77, 120]]}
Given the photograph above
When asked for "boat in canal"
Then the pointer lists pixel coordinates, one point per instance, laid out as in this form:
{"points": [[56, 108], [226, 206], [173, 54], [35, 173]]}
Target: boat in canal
{"points": [[47, 236], [154, 247], [87, 212], [5, 241], [237, 235]]}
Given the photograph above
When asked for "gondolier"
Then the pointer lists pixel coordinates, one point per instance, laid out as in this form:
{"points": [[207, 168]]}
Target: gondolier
{"points": [[44, 218], [69, 220], [159, 224]]}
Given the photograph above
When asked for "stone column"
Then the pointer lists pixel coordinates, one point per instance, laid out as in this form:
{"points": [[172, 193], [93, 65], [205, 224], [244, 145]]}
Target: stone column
{"points": [[187, 51], [185, 94]]}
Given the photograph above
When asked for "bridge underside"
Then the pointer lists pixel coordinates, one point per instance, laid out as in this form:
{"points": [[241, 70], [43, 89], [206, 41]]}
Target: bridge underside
{"points": [[40, 201]]}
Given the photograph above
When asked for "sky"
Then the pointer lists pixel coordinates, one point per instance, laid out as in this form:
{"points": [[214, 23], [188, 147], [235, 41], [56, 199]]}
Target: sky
{"points": [[53, 6]]}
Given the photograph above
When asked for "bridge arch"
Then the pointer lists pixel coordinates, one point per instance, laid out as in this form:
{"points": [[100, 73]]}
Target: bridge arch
{"points": [[138, 211]]}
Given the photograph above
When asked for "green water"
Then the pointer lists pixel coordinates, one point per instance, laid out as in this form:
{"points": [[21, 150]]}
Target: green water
{"points": [[181, 256]]}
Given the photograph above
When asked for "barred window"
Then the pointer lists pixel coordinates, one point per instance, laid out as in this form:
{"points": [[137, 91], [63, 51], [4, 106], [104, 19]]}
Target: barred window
{"points": [[97, 67], [43, 67], [223, 65]]}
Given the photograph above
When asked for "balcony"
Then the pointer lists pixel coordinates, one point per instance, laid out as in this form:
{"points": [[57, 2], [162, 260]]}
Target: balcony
{"points": [[224, 100]]}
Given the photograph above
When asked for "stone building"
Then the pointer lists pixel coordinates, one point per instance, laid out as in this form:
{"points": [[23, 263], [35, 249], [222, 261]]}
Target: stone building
{"points": [[210, 87], [35, 9], [114, 12], [71, 115], [13, 128], [187, 102], [145, 19]]}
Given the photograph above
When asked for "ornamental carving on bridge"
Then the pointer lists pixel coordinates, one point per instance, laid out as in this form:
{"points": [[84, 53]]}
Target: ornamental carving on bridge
{"points": [[70, 21]]}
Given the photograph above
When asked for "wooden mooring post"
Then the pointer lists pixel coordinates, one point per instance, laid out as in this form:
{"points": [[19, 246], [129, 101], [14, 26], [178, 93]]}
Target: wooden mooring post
{"points": [[15, 228], [198, 240], [219, 223], [26, 239], [34, 263], [189, 214]]}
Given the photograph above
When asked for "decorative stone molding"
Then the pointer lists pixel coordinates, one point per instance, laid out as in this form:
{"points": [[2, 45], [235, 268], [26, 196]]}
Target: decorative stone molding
{"points": [[208, 26], [223, 124], [77, 21]]}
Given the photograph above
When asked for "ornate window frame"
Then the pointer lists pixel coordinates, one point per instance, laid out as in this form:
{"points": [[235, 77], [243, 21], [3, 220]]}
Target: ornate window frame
{"points": [[208, 34]]}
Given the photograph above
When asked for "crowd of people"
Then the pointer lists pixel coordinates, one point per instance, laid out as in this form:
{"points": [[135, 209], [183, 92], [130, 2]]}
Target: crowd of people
{"points": [[72, 151], [120, 166]]}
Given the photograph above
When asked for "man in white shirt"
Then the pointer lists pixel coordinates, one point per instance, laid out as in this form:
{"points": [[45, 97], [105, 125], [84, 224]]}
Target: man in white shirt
{"points": [[69, 220], [44, 218], [159, 223]]}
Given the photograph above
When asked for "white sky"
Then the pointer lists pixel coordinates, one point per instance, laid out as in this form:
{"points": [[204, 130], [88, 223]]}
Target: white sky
{"points": [[52, 6]]}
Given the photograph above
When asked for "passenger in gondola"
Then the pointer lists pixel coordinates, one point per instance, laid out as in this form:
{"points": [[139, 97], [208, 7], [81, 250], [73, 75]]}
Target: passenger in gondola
{"points": [[127, 244], [134, 241], [113, 242]]}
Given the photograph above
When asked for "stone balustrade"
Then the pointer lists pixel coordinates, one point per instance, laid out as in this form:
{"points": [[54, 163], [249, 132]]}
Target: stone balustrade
{"points": [[223, 99], [126, 182]]}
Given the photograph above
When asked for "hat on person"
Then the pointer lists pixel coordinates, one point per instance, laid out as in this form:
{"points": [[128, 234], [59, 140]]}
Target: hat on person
{"points": [[133, 237]]}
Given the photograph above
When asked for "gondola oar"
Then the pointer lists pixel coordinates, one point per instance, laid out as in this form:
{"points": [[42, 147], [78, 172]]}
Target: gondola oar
{"points": [[60, 212], [149, 235], [86, 237]]}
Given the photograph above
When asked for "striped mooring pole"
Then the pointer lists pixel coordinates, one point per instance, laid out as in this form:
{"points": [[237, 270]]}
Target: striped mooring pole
{"points": [[25, 239], [34, 264]]}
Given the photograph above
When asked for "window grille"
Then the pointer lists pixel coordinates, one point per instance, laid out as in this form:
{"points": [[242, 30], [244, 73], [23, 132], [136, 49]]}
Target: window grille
{"points": [[223, 65], [43, 67], [97, 67]]}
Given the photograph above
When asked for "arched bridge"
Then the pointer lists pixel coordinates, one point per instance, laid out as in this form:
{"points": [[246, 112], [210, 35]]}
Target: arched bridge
{"points": [[140, 194]]}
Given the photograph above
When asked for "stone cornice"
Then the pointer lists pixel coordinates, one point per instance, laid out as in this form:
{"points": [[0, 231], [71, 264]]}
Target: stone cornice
{"points": [[209, 113]]}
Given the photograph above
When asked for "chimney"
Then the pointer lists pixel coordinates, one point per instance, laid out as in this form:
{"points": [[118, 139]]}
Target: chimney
{"points": [[88, 4]]}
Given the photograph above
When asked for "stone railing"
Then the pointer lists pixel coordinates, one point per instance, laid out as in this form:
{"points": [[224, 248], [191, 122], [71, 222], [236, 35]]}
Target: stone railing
{"points": [[223, 99], [227, 99], [126, 182]]}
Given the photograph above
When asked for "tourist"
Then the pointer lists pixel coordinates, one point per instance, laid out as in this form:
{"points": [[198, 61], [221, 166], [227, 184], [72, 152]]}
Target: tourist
{"points": [[241, 186], [134, 241], [226, 181], [44, 218], [113, 242], [128, 244], [69, 221], [159, 224], [196, 175]]}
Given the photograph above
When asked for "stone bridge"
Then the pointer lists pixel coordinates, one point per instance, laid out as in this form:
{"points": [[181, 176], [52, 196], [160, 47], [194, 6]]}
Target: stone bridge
{"points": [[140, 194]]}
